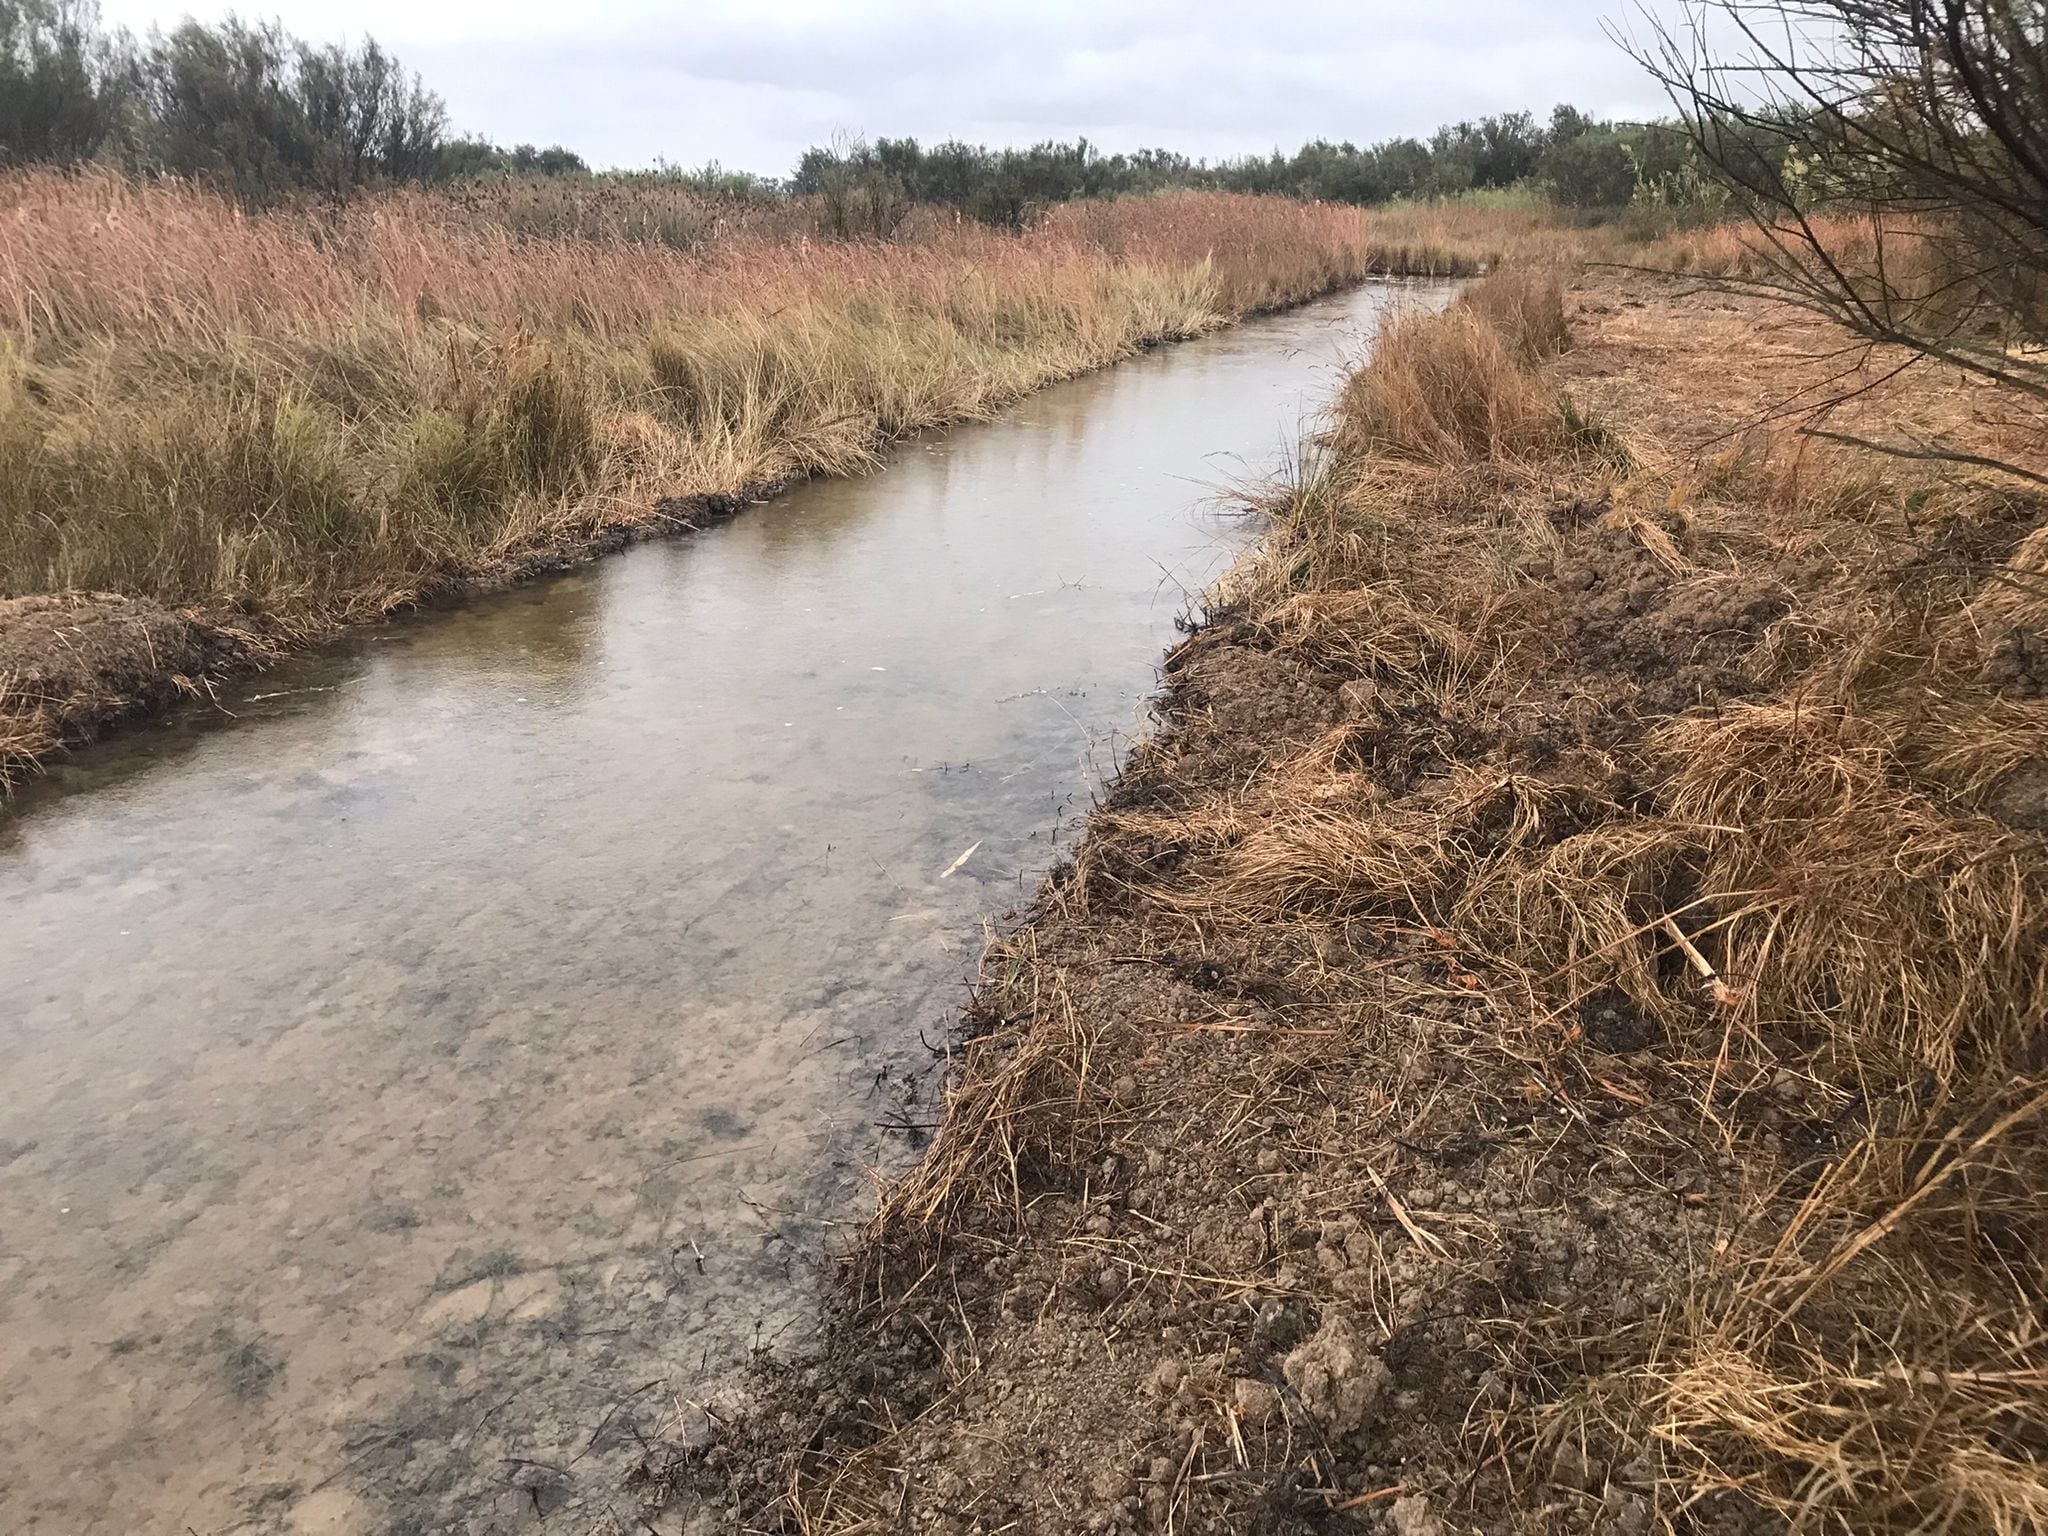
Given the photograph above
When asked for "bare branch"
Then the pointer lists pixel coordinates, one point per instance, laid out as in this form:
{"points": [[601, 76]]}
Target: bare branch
{"points": [[1892, 159], [1926, 455]]}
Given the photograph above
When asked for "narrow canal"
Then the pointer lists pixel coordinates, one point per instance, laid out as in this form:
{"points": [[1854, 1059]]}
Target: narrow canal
{"points": [[429, 1066]]}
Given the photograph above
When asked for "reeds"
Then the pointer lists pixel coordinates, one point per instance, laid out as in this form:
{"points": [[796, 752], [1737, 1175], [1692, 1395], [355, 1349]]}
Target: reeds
{"points": [[1463, 386], [322, 414]]}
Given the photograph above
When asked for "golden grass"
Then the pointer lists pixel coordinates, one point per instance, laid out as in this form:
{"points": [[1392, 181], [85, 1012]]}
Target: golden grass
{"points": [[1913, 275], [24, 736], [321, 415], [1872, 1360], [650, 212], [1462, 386]]}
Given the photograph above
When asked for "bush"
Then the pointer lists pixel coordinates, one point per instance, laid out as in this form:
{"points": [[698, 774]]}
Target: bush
{"points": [[1591, 170], [64, 85], [252, 109]]}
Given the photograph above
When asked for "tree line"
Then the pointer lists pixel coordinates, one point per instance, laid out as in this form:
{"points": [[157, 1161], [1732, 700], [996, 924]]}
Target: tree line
{"points": [[1577, 160], [244, 105], [265, 115]]}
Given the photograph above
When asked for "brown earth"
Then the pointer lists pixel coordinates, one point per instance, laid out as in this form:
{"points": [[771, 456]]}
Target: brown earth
{"points": [[74, 664], [1307, 1167]]}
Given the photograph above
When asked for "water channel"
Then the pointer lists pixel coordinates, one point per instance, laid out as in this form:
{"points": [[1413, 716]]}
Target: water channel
{"points": [[426, 1067]]}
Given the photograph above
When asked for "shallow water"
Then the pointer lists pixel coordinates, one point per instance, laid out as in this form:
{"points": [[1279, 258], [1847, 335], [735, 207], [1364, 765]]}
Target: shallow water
{"points": [[424, 1070]]}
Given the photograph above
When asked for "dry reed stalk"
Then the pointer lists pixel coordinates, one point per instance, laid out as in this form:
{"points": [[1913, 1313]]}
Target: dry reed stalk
{"points": [[322, 414]]}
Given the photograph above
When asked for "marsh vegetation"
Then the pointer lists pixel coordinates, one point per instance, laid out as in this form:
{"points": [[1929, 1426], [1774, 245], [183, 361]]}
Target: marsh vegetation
{"points": [[1550, 1035]]}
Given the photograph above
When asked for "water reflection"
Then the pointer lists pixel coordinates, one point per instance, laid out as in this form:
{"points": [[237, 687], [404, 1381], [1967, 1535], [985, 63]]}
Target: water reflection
{"points": [[419, 1079]]}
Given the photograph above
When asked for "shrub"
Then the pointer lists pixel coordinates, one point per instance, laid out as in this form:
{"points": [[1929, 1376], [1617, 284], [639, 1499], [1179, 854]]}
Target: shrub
{"points": [[1590, 170]]}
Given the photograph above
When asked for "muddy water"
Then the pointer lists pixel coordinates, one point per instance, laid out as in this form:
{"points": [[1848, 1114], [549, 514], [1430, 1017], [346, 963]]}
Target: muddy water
{"points": [[428, 1068]]}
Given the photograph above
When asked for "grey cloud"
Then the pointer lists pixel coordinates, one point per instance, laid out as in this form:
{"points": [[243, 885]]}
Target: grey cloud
{"points": [[752, 82]]}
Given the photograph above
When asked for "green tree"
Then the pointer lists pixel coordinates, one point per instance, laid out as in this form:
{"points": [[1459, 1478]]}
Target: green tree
{"points": [[66, 85], [366, 118], [1567, 122], [1591, 169], [253, 109], [530, 160], [222, 109], [465, 158], [1510, 145]]}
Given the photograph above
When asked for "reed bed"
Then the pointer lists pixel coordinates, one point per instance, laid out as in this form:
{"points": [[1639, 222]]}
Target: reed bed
{"points": [[322, 414]]}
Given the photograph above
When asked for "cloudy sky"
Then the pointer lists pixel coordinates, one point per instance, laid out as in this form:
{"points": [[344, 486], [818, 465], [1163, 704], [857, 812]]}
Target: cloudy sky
{"points": [[752, 82]]}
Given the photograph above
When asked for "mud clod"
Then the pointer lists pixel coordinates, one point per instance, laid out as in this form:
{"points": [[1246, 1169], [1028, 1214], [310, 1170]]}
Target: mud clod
{"points": [[1337, 1379], [1411, 1516], [75, 664]]}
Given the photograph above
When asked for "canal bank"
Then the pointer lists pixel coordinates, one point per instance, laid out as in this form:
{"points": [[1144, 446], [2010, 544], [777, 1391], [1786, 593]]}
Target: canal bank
{"points": [[1547, 1036]]}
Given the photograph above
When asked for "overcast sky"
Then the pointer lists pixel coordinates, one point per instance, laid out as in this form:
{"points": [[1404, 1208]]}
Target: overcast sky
{"points": [[752, 82]]}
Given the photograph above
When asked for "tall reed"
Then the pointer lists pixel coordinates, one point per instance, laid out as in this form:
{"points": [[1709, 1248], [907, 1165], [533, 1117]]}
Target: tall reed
{"points": [[323, 413]]}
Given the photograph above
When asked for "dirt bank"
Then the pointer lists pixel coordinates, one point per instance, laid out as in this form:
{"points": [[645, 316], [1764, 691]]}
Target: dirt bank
{"points": [[1545, 1039]]}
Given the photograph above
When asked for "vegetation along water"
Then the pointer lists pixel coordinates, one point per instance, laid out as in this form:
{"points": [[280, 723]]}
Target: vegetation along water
{"points": [[1538, 1029]]}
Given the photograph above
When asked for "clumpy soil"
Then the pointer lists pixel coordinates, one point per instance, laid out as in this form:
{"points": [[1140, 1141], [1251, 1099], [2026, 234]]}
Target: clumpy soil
{"points": [[74, 664], [1267, 1257], [1245, 1220]]}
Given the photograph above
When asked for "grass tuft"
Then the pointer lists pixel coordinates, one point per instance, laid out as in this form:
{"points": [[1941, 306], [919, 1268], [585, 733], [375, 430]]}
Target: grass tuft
{"points": [[1464, 385]]}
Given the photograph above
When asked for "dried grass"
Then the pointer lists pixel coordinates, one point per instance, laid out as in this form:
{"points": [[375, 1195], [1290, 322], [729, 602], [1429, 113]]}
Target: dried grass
{"points": [[24, 735], [1829, 884], [1463, 386], [323, 414], [1816, 899], [1853, 1374]]}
